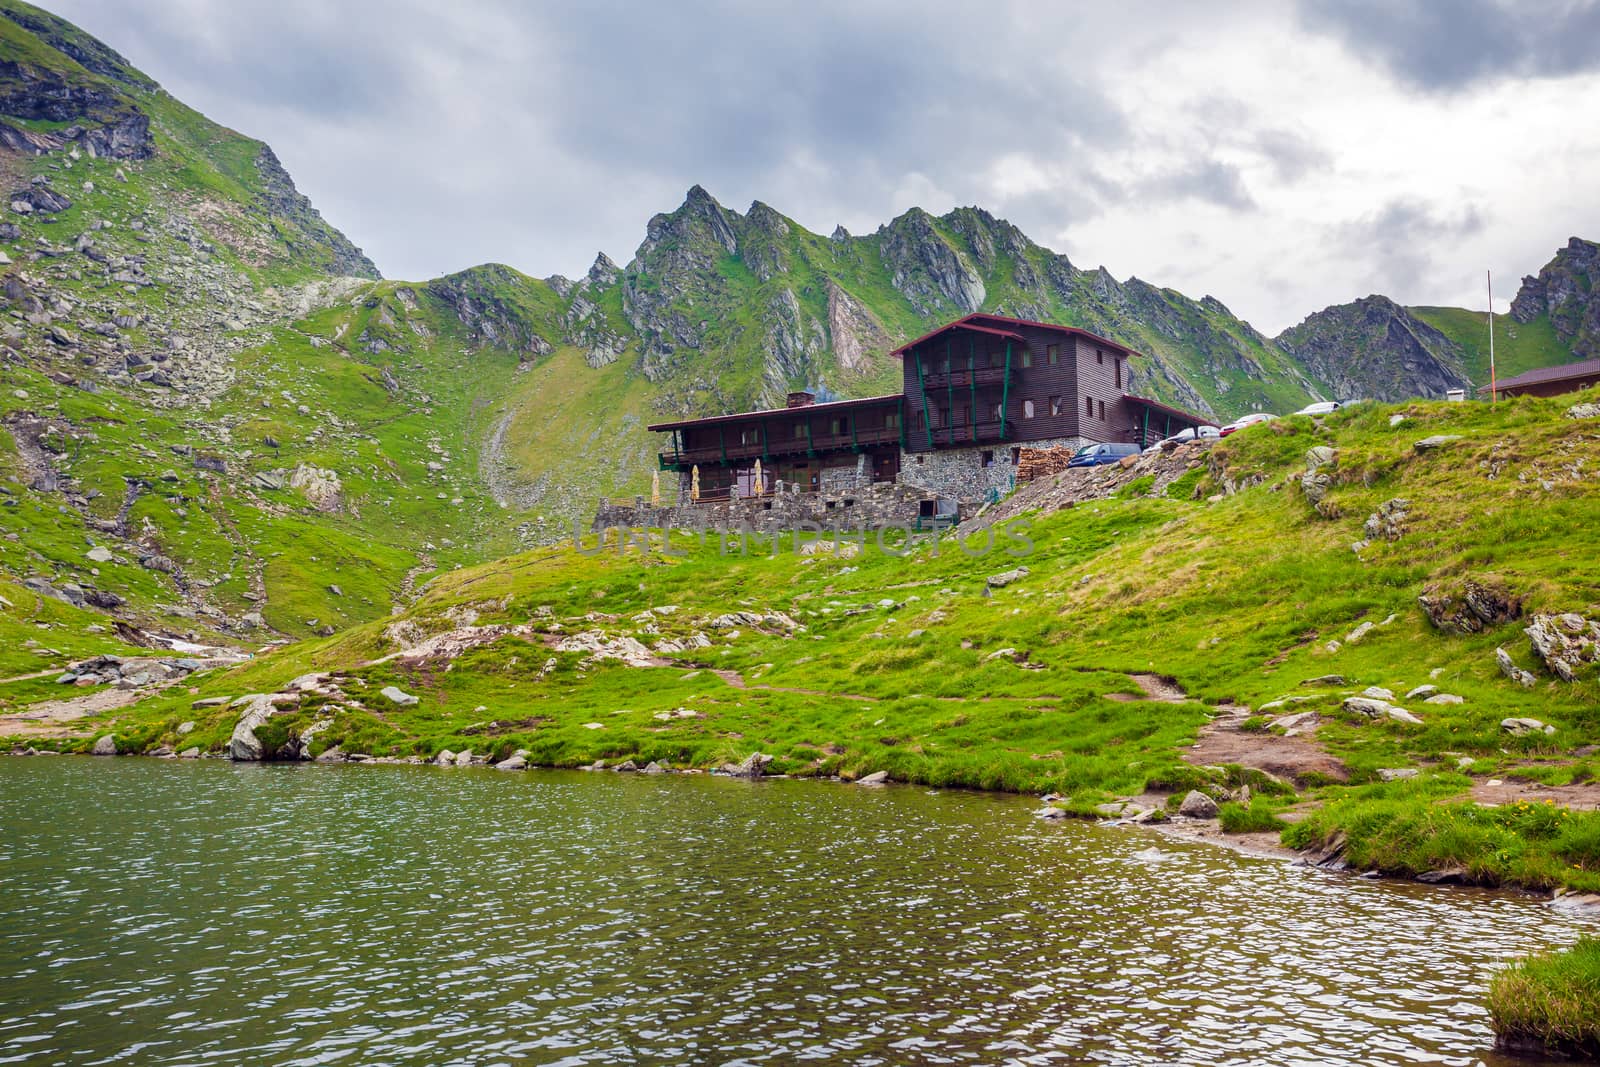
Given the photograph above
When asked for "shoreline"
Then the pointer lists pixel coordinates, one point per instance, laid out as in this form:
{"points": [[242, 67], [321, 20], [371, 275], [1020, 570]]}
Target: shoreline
{"points": [[1254, 844]]}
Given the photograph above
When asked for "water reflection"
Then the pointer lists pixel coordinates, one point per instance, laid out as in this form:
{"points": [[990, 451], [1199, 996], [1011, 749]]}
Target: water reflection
{"points": [[193, 913]]}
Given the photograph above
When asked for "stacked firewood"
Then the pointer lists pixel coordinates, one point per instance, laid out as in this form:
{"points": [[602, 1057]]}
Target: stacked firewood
{"points": [[1042, 462]]}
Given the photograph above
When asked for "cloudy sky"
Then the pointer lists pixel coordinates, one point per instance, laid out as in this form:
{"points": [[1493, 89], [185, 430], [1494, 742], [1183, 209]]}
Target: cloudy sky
{"points": [[1279, 156]]}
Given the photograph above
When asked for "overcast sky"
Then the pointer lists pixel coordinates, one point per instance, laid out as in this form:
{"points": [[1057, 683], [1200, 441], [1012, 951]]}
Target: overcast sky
{"points": [[1279, 157]]}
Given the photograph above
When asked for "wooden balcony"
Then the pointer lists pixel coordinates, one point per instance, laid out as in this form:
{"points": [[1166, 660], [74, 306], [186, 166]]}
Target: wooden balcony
{"points": [[966, 434], [734, 452], [965, 379]]}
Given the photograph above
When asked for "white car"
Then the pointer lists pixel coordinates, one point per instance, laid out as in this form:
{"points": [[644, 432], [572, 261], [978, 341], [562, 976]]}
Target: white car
{"points": [[1246, 420], [1202, 433], [1325, 407]]}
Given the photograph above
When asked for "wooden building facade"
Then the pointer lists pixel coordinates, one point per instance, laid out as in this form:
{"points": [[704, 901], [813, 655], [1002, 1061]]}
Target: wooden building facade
{"points": [[984, 384]]}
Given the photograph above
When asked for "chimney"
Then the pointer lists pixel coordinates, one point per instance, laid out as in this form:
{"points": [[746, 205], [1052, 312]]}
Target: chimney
{"points": [[801, 400]]}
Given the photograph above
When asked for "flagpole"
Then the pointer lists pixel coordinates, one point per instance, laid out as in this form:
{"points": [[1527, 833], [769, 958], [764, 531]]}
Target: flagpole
{"points": [[1494, 395]]}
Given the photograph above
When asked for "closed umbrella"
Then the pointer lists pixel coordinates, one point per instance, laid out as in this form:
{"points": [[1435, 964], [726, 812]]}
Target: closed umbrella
{"points": [[694, 482], [759, 488]]}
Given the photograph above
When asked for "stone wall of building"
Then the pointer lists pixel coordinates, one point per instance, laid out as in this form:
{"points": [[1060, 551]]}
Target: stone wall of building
{"points": [[871, 507], [960, 473]]}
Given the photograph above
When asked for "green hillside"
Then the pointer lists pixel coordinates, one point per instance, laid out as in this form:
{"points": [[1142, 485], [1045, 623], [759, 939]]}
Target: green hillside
{"points": [[1518, 347]]}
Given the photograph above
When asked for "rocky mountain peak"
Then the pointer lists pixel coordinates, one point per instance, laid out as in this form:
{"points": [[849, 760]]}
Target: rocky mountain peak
{"points": [[1373, 348], [603, 272], [1568, 290]]}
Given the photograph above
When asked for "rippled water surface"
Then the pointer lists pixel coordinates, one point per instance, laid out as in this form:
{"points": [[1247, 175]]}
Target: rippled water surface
{"points": [[166, 912]]}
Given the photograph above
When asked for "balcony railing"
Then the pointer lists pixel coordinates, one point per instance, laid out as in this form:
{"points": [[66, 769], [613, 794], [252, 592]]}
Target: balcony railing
{"points": [[964, 379], [964, 434], [734, 451]]}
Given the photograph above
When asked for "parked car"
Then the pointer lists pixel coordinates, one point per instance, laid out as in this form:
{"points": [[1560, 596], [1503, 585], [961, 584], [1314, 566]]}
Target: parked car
{"points": [[1325, 407], [1193, 433], [1246, 420], [1096, 455]]}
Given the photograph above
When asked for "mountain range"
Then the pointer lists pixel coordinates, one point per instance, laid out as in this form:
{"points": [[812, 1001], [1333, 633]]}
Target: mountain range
{"points": [[222, 418]]}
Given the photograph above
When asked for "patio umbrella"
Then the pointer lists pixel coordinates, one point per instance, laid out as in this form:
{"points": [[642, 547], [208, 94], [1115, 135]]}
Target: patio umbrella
{"points": [[694, 482], [655, 489], [759, 488]]}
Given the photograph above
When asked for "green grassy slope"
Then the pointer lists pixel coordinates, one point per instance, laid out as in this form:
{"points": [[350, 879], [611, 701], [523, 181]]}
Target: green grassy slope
{"points": [[1518, 347], [901, 664]]}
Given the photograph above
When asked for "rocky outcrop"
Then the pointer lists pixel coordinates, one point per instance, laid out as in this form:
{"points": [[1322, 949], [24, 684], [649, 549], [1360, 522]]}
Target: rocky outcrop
{"points": [[927, 270], [1568, 290], [1375, 349], [854, 333], [310, 229], [1568, 645], [1469, 605], [490, 303]]}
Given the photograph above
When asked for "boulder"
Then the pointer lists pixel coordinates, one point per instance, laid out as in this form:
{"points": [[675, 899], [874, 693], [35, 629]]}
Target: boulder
{"points": [[244, 746], [1584, 411], [398, 697], [1196, 805], [627, 766], [1005, 578], [105, 745], [1512, 671], [1396, 774], [1359, 633], [1422, 692], [189, 753], [464, 758], [875, 778], [752, 766], [1378, 692], [1324, 681], [1320, 456], [1437, 441], [445, 758], [513, 763], [1444, 698], [654, 768], [1523, 726], [331, 755], [99, 554]]}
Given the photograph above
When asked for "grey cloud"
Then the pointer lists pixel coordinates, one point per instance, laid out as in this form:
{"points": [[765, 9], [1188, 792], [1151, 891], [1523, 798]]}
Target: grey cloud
{"points": [[1450, 44], [1207, 180], [1291, 155], [1401, 240]]}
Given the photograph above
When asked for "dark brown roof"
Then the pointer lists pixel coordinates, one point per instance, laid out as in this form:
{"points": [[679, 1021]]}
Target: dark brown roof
{"points": [[1589, 368], [1168, 409], [832, 405], [985, 323]]}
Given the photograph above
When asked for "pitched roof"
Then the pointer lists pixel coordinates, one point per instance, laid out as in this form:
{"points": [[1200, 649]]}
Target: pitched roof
{"points": [[832, 405], [994, 324], [1589, 368], [1168, 409]]}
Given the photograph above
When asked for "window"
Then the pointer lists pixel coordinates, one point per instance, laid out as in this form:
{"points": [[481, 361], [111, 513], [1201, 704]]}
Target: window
{"points": [[1052, 354], [1088, 407], [1027, 409], [944, 365], [1102, 404], [750, 436], [891, 421], [1119, 373], [1055, 405], [997, 358], [840, 425], [919, 461], [1099, 357], [799, 431], [944, 417], [1016, 456], [988, 459], [1027, 357], [999, 413]]}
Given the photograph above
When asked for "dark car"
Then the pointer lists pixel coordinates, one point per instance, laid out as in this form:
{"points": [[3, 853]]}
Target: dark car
{"points": [[1095, 455]]}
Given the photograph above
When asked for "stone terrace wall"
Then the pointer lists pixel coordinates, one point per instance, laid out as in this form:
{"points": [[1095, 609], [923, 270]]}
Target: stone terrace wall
{"points": [[871, 507], [959, 473]]}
